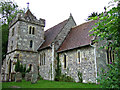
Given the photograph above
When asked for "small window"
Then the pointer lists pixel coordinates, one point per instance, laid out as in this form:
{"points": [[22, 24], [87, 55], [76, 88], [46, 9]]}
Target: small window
{"points": [[40, 59], [30, 30], [64, 61], [33, 31], [31, 43], [44, 58], [110, 54], [11, 48], [13, 31], [79, 59]]}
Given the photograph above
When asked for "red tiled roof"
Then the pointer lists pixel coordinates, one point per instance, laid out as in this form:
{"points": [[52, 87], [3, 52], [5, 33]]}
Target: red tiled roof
{"points": [[51, 33], [78, 36]]}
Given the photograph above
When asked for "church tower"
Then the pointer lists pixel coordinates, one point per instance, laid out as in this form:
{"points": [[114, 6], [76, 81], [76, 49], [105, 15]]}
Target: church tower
{"points": [[26, 34]]}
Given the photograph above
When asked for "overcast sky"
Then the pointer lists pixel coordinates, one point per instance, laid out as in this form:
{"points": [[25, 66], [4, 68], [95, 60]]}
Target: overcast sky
{"points": [[55, 11]]}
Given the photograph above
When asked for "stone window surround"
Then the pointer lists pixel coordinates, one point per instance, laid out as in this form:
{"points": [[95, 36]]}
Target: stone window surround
{"points": [[42, 59], [31, 30]]}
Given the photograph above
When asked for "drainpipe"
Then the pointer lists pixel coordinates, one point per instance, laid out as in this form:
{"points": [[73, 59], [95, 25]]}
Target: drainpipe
{"points": [[53, 61], [95, 60]]}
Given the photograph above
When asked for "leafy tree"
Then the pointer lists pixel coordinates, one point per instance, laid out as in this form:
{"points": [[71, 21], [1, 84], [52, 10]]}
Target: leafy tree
{"points": [[93, 15], [108, 28], [8, 10]]}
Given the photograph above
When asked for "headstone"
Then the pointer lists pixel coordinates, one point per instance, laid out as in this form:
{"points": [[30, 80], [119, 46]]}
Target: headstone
{"points": [[34, 78], [18, 77], [28, 76], [13, 76]]}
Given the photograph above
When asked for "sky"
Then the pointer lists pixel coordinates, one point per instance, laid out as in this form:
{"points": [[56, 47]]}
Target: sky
{"points": [[56, 11]]}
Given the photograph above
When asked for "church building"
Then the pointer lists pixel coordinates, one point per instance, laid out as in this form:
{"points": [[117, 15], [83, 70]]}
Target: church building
{"points": [[29, 43]]}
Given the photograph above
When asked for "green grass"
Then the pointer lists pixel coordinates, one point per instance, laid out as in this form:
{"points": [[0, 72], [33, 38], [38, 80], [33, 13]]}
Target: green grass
{"points": [[48, 84]]}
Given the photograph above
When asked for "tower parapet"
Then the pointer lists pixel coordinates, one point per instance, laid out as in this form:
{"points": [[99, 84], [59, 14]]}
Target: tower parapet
{"points": [[27, 17]]}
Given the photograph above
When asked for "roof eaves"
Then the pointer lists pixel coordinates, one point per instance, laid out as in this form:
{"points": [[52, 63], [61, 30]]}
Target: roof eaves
{"points": [[72, 48]]}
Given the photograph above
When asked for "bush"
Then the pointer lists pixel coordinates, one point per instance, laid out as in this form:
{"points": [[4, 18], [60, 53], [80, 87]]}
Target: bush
{"points": [[19, 68], [80, 76], [110, 78], [66, 78]]}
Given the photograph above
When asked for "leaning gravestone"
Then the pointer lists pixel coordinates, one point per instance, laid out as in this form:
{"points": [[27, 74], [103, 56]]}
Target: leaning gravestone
{"points": [[13, 76], [34, 78], [28, 76], [18, 77]]}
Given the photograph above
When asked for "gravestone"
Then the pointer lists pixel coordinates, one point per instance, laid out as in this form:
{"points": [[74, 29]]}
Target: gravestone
{"points": [[13, 76], [34, 78], [18, 77], [28, 76]]}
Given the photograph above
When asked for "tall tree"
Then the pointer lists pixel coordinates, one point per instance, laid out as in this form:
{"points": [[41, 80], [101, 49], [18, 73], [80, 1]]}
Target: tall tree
{"points": [[108, 28], [8, 10]]}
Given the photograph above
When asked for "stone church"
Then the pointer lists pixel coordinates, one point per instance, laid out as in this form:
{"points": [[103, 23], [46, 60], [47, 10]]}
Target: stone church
{"points": [[32, 45]]}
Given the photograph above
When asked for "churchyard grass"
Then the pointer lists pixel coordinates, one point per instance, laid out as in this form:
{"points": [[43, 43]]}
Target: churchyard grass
{"points": [[48, 84]]}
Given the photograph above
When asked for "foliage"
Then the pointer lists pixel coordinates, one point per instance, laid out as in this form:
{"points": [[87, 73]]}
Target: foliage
{"points": [[9, 10], [109, 78], [108, 29], [80, 76], [59, 76], [65, 78], [39, 76], [22, 69], [5, 32], [58, 70], [93, 15], [17, 66]]}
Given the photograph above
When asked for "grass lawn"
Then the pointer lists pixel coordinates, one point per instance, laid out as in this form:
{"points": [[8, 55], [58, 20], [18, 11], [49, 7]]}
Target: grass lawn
{"points": [[48, 84]]}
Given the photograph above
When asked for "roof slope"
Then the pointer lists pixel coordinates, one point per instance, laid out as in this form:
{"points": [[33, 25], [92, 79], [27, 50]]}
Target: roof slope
{"points": [[78, 36], [51, 33]]}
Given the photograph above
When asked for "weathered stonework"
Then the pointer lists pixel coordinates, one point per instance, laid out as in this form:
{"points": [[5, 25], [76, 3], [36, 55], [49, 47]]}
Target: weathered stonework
{"points": [[46, 70], [86, 66], [64, 32], [44, 61]]}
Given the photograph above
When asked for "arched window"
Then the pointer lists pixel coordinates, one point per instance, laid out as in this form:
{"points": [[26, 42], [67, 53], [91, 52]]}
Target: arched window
{"points": [[78, 57], [31, 43], [33, 31], [44, 58], [64, 61], [30, 29], [110, 54], [13, 31], [40, 59]]}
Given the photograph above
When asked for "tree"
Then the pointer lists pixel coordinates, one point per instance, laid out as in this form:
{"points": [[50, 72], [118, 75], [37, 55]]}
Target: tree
{"points": [[9, 11], [108, 28], [93, 15]]}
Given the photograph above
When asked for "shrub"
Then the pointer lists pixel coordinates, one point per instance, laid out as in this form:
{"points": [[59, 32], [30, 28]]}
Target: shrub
{"points": [[110, 78], [80, 76], [19, 68], [66, 78]]}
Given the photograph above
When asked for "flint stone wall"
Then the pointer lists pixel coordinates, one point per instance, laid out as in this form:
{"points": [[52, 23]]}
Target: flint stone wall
{"points": [[45, 70], [86, 67]]}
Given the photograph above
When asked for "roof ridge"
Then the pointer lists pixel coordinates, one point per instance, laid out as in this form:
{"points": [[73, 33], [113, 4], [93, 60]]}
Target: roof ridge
{"points": [[82, 24]]}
